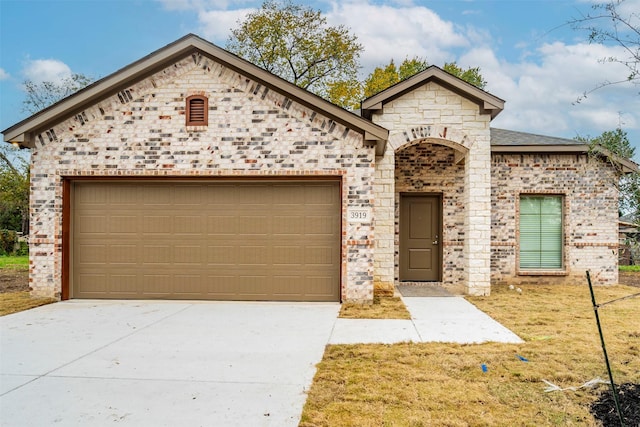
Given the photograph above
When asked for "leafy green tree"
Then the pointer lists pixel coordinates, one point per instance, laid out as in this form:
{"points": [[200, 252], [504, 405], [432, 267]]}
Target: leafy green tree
{"points": [[296, 43], [384, 77], [470, 75], [613, 22], [14, 189], [44, 94], [14, 164], [617, 142]]}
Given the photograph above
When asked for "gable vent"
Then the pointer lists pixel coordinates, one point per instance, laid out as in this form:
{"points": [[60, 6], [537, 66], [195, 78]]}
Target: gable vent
{"points": [[125, 96], [197, 109]]}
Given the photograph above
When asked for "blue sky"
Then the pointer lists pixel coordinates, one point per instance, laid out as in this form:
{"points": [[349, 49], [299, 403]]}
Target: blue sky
{"points": [[527, 55]]}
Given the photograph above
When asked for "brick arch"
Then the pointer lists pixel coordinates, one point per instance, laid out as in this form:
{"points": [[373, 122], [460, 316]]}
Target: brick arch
{"points": [[434, 134]]}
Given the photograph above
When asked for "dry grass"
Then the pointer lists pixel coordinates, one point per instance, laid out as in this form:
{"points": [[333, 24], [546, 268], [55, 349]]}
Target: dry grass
{"points": [[13, 302], [385, 306], [444, 385]]}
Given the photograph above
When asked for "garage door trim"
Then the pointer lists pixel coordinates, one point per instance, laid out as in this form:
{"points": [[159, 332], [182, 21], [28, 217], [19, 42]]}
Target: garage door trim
{"points": [[67, 212]]}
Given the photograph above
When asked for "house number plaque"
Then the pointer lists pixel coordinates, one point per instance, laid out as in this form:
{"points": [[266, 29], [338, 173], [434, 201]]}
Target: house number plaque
{"points": [[357, 215]]}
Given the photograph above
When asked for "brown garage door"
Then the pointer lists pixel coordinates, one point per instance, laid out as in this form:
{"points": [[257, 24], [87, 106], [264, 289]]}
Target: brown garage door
{"points": [[203, 240]]}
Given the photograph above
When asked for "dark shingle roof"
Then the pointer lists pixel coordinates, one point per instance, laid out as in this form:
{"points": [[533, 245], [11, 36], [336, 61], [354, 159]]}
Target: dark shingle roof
{"points": [[511, 137]]}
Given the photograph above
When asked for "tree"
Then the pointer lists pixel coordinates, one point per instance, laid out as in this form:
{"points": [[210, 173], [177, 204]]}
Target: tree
{"points": [[14, 164], [383, 77], [41, 95], [470, 75], [14, 189], [295, 43], [617, 142], [615, 22]]}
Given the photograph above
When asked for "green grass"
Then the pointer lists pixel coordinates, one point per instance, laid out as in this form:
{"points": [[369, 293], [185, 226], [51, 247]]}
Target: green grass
{"points": [[629, 268], [14, 262]]}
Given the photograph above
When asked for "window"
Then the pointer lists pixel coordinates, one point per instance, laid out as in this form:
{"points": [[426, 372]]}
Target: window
{"points": [[541, 233], [197, 109]]}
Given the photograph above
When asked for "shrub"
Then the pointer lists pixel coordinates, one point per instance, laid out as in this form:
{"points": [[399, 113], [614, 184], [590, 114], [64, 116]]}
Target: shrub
{"points": [[12, 245]]}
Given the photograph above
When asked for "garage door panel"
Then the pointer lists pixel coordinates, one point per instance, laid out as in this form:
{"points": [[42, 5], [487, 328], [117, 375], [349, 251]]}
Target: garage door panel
{"points": [[221, 224], [123, 224], [236, 241], [93, 224], [188, 224], [252, 256], [288, 225], [123, 255], [319, 255], [158, 196], [188, 255], [287, 256], [157, 284], [156, 254], [157, 224]]}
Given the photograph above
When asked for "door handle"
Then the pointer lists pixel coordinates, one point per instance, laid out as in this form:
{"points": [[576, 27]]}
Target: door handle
{"points": [[435, 242]]}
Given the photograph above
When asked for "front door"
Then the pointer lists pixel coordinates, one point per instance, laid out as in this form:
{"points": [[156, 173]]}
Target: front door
{"points": [[420, 238]]}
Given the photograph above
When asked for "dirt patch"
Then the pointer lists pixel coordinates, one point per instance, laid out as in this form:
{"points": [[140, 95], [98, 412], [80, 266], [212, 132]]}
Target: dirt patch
{"points": [[630, 278], [13, 280], [604, 408]]}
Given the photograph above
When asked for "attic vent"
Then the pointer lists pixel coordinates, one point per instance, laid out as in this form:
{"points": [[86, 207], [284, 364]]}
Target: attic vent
{"points": [[125, 96], [82, 118], [51, 135], [197, 110]]}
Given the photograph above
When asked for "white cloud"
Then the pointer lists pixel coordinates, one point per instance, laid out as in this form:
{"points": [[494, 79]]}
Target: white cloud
{"points": [[389, 32], [216, 24], [3, 74], [215, 19], [46, 70], [540, 86], [541, 96]]}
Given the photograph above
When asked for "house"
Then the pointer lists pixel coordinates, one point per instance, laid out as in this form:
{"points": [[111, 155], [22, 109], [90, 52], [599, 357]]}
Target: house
{"points": [[193, 174]]}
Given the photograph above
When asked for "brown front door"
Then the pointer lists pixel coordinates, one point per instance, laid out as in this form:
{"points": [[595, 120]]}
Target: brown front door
{"points": [[420, 233]]}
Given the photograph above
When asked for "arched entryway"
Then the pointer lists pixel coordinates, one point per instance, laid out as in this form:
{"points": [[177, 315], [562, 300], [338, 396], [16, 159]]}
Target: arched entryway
{"points": [[429, 182]]}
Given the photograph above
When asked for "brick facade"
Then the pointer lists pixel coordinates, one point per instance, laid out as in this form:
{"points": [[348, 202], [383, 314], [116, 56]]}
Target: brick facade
{"points": [[428, 117], [253, 132], [588, 187], [439, 142]]}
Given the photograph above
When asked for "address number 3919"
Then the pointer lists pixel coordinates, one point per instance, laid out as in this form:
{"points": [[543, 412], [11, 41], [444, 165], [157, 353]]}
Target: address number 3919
{"points": [[359, 215]]}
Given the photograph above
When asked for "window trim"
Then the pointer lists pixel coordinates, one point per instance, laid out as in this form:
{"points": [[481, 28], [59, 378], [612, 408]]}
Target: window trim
{"points": [[561, 271], [205, 119]]}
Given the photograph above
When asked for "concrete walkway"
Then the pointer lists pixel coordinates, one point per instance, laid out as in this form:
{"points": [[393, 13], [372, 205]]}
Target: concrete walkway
{"points": [[434, 319], [141, 363]]}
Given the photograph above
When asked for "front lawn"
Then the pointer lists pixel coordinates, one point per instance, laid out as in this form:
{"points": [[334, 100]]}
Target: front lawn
{"points": [[445, 385], [14, 262], [14, 286]]}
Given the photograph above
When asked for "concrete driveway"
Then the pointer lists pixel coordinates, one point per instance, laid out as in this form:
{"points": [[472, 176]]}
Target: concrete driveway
{"points": [[96, 363], [160, 363]]}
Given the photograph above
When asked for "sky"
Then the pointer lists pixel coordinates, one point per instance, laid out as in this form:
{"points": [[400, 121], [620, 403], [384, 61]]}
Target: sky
{"points": [[526, 51]]}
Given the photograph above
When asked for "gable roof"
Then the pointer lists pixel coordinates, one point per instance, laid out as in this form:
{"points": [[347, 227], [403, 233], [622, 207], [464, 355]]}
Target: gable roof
{"points": [[488, 103], [510, 141], [21, 133]]}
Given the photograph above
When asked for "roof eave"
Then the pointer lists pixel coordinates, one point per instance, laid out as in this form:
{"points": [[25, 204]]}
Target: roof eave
{"points": [[626, 166], [22, 131], [488, 103]]}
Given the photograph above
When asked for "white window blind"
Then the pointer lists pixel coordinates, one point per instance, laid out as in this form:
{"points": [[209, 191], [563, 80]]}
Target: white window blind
{"points": [[541, 232]]}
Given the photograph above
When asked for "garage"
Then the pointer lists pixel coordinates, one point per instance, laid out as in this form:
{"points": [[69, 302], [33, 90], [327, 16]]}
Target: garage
{"points": [[205, 240]]}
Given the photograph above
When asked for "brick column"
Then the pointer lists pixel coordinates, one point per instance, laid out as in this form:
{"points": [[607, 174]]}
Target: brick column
{"points": [[477, 242], [384, 194]]}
